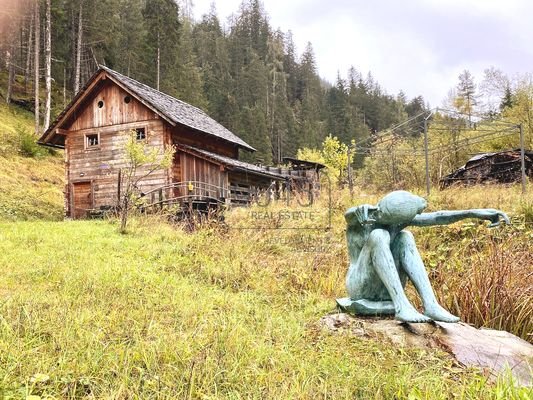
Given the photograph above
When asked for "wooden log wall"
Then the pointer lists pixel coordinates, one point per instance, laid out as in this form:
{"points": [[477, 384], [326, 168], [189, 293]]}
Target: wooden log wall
{"points": [[100, 164], [243, 186]]}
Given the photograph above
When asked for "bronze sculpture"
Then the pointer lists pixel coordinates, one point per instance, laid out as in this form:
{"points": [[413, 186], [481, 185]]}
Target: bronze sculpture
{"points": [[383, 255]]}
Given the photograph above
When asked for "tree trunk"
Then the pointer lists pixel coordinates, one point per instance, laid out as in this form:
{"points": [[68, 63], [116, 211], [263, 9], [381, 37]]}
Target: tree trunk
{"points": [[27, 71], [37, 20], [11, 68], [48, 61], [78, 51], [126, 197], [158, 61], [124, 214], [64, 86]]}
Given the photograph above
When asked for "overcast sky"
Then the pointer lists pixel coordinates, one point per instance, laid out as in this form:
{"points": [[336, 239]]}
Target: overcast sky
{"points": [[418, 46]]}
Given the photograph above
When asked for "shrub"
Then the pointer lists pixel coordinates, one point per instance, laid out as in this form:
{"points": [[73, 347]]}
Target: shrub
{"points": [[28, 146]]}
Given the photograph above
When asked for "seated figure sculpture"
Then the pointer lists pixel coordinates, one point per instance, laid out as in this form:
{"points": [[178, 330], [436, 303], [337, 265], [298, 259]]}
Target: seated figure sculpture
{"points": [[383, 255]]}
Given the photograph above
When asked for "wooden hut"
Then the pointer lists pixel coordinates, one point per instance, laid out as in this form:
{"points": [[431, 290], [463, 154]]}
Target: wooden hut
{"points": [[499, 167], [206, 167]]}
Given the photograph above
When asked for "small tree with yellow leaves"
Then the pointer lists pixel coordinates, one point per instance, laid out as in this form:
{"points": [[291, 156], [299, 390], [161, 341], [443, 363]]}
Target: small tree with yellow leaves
{"points": [[141, 161]]}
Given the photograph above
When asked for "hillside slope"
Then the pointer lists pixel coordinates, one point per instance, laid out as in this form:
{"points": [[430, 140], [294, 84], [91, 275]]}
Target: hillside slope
{"points": [[31, 177]]}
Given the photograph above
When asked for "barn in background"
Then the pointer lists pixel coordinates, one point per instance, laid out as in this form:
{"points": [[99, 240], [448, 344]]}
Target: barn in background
{"points": [[206, 165], [499, 167]]}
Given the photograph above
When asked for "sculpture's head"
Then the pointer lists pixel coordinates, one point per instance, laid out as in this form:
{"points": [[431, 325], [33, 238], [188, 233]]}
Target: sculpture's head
{"points": [[399, 207]]}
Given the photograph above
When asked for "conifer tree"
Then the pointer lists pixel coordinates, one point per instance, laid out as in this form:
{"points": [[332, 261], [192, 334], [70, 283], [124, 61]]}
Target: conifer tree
{"points": [[212, 57], [466, 99], [162, 23]]}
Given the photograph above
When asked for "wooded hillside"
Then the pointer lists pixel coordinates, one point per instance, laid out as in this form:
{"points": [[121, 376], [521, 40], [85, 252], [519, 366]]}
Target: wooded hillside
{"points": [[242, 72], [245, 74]]}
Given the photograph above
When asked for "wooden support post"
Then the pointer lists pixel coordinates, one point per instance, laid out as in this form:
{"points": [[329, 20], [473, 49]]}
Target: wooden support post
{"points": [[426, 153], [350, 178], [119, 187], [523, 160]]}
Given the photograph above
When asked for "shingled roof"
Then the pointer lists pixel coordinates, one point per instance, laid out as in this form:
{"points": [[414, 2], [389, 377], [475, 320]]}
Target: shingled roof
{"points": [[232, 163], [169, 108]]}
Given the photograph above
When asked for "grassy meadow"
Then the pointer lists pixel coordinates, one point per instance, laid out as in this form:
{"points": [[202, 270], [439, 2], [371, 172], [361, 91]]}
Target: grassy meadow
{"points": [[224, 312], [220, 312]]}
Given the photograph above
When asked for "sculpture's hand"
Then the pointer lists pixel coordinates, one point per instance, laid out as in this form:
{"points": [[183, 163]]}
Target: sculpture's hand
{"points": [[364, 214], [360, 215], [494, 216]]}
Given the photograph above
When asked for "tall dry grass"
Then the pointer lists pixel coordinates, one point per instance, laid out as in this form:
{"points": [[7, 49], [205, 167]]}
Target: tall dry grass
{"points": [[487, 279]]}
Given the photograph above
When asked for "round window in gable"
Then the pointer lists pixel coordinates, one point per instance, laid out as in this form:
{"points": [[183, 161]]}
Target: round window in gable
{"points": [[127, 99], [100, 104]]}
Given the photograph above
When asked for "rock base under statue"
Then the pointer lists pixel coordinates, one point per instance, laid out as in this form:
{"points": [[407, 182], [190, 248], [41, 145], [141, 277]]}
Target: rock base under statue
{"points": [[495, 352]]}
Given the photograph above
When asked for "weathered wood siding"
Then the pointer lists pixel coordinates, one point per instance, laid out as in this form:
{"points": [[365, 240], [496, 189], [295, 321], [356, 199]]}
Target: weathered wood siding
{"points": [[197, 169], [176, 168], [114, 110], [101, 165], [243, 186]]}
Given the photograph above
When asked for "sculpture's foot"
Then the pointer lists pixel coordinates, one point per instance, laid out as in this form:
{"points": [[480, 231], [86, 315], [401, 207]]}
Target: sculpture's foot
{"points": [[437, 313], [366, 307], [409, 314]]}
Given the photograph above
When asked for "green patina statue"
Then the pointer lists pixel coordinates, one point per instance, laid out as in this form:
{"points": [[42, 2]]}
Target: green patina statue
{"points": [[383, 255]]}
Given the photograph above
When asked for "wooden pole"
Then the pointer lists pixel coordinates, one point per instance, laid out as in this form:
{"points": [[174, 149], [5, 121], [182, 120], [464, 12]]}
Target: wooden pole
{"points": [[523, 160], [350, 179], [426, 153]]}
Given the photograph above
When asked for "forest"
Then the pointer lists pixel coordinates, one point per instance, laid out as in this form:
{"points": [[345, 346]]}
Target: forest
{"points": [[244, 73]]}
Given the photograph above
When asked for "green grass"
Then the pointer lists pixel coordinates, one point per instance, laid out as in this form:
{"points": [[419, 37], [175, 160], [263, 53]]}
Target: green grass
{"points": [[159, 313]]}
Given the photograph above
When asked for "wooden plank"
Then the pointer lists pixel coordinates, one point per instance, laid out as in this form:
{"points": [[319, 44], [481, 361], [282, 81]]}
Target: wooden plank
{"points": [[239, 189], [151, 124]]}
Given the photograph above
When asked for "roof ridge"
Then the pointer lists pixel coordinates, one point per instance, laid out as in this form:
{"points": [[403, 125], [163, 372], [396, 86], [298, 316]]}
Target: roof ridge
{"points": [[176, 110], [153, 89]]}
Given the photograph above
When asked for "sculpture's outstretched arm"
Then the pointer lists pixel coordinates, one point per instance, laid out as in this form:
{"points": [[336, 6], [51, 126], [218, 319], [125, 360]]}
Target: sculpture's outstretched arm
{"points": [[449, 217]]}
